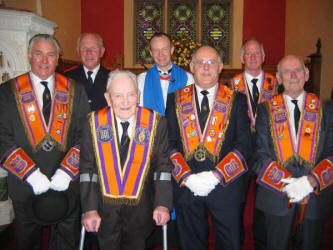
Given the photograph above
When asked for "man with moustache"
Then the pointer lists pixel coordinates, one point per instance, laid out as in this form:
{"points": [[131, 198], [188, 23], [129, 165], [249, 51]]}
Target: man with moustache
{"points": [[294, 160], [209, 132], [41, 113], [164, 77], [125, 171], [258, 86], [91, 73]]}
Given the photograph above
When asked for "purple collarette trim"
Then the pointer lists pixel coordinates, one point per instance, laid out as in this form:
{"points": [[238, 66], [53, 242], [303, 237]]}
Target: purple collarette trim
{"points": [[151, 119], [249, 106]]}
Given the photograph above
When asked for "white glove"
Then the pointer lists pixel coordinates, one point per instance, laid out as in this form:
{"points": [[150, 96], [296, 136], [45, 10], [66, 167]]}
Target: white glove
{"points": [[60, 180], [39, 182], [209, 179], [197, 185], [297, 188]]}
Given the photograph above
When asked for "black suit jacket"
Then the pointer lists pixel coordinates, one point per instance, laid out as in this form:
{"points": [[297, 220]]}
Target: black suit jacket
{"points": [[319, 205], [96, 93], [154, 193], [12, 133], [237, 136]]}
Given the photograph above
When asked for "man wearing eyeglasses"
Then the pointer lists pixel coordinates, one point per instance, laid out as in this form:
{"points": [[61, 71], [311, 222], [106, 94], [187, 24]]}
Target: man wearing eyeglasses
{"points": [[209, 132], [258, 86]]}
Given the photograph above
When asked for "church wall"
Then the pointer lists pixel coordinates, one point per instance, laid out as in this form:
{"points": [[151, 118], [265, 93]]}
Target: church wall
{"points": [[306, 21]]}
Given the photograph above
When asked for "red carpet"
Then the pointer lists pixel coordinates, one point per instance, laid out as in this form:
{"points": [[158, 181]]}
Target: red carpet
{"points": [[248, 244]]}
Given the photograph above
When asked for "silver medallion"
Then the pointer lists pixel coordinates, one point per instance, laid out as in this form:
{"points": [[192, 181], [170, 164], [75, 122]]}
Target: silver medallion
{"points": [[47, 145], [200, 155]]}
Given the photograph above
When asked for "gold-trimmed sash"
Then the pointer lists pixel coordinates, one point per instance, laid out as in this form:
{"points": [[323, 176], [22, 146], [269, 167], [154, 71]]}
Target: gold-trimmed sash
{"points": [[308, 133], [210, 141], [122, 185], [267, 90], [32, 116]]}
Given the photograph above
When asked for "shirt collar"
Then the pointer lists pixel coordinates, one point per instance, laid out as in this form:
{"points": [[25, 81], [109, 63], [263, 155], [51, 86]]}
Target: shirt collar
{"points": [[95, 70]]}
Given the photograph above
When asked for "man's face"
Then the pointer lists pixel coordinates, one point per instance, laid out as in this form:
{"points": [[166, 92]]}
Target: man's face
{"points": [[161, 51], [90, 51], [253, 57], [43, 59], [123, 97], [206, 67], [292, 75]]}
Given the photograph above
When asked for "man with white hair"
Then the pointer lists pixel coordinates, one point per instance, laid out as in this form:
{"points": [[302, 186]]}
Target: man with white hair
{"points": [[294, 159], [125, 172]]}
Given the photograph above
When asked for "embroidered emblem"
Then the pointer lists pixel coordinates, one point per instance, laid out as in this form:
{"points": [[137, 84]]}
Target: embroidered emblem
{"points": [[27, 96], [61, 96], [18, 163], [142, 136], [104, 133], [73, 160], [187, 108]]}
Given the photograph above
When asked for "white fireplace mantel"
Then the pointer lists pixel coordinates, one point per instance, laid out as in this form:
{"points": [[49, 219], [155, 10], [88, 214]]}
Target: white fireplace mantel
{"points": [[16, 29]]}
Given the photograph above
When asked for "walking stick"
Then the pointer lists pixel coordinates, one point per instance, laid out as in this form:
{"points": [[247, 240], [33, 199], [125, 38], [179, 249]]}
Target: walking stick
{"points": [[165, 236], [83, 232]]}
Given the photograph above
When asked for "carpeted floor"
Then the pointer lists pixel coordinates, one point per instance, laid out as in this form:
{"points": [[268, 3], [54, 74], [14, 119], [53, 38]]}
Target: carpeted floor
{"points": [[8, 237]]}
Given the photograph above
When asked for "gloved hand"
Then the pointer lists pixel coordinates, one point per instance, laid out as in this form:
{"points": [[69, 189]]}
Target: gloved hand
{"points": [[297, 188], [39, 182], [197, 185], [209, 179], [60, 180]]}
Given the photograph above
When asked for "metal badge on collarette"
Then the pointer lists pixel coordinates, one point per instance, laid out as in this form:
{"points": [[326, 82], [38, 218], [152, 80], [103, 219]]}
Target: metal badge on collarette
{"points": [[200, 155], [47, 145]]}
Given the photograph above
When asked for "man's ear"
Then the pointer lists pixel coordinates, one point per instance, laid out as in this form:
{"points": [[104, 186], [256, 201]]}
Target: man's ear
{"points": [[107, 98]]}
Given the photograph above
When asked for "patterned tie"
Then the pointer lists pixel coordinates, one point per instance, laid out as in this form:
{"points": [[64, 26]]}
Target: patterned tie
{"points": [[46, 102], [297, 114], [124, 143], [255, 94], [90, 80], [204, 111]]}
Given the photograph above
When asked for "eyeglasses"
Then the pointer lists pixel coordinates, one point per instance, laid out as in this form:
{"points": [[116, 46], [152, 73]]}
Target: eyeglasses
{"points": [[210, 62]]}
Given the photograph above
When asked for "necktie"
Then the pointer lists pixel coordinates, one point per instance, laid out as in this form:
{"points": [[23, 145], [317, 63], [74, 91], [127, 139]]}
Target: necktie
{"points": [[297, 114], [255, 94], [46, 101], [90, 80], [124, 142], [204, 111]]}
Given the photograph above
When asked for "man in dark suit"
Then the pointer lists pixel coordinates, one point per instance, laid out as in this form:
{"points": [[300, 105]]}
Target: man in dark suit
{"points": [[91, 73], [293, 159], [258, 86], [209, 130], [41, 113], [125, 171]]}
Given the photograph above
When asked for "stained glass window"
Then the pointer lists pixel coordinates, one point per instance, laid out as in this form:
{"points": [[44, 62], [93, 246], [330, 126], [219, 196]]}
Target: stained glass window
{"points": [[216, 26], [205, 21], [149, 20], [182, 16]]}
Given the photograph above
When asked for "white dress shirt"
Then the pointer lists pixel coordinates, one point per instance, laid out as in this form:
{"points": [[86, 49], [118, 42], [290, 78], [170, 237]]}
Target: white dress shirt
{"points": [[93, 75], [291, 107], [130, 130], [39, 88], [210, 96], [249, 78]]}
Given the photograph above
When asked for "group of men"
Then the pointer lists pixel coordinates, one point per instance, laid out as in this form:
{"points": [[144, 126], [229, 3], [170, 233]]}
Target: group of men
{"points": [[166, 138]]}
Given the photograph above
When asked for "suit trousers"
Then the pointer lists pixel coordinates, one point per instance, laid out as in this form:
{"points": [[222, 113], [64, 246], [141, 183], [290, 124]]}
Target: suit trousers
{"points": [[193, 226], [63, 236], [279, 232], [124, 227]]}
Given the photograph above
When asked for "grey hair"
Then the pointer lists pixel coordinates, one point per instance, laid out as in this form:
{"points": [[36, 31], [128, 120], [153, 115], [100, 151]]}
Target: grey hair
{"points": [[118, 73], [252, 39], [99, 38], [219, 57], [280, 62], [44, 37]]}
